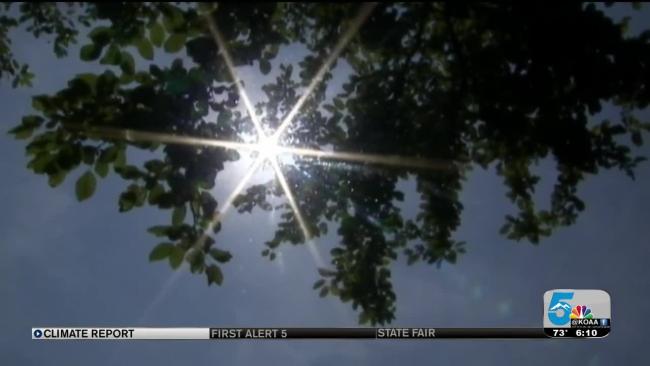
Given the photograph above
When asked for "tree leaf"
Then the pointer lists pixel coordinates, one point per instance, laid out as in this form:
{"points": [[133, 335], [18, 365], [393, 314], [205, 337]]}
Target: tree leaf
{"points": [[100, 36], [175, 42], [101, 169], [326, 272], [144, 48], [214, 274], [172, 17], [224, 117], [127, 200], [158, 230], [323, 291], [157, 34], [176, 256], [161, 251], [22, 131], [113, 56], [38, 103], [196, 259], [56, 179], [85, 186], [90, 52], [88, 154], [120, 157], [127, 63], [221, 256], [319, 283], [265, 66], [155, 193], [178, 215]]}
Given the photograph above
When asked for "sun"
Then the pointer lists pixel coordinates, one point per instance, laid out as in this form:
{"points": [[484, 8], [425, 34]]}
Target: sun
{"points": [[267, 147]]}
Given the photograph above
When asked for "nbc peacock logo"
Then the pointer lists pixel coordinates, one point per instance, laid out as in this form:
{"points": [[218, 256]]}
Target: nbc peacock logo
{"points": [[581, 312]]}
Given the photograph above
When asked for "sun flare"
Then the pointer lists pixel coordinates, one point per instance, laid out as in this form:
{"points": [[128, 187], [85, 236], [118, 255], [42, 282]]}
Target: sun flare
{"points": [[267, 147]]}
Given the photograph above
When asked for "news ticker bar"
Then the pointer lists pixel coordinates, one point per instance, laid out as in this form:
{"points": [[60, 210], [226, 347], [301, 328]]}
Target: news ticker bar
{"points": [[45, 333]]}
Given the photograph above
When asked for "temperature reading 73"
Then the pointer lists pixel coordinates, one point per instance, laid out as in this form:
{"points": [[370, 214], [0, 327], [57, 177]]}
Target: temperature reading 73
{"points": [[559, 332]]}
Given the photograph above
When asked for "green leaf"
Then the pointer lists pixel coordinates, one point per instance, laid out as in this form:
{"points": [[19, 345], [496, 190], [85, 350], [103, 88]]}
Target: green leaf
{"points": [[326, 272], [176, 256], [214, 274], [85, 186], [161, 251], [41, 161], [101, 169], [38, 103], [88, 154], [172, 17], [323, 292], [196, 259], [127, 201], [157, 34], [135, 195], [158, 230], [140, 194], [155, 193], [143, 77], [32, 121], [56, 179], [90, 80], [319, 283], [224, 117], [108, 155], [265, 66], [221, 256], [107, 83], [144, 48], [322, 227], [100, 36], [22, 131], [505, 229], [128, 171], [127, 63], [90, 52], [120, 157], [175, 42], [178, 215], [112, 57], [452, 257]]}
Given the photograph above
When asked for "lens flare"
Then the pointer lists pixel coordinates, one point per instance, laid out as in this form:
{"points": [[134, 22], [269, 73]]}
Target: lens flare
{"points": [[313, 250], [218, 38], [219, 215], [267, 147]]}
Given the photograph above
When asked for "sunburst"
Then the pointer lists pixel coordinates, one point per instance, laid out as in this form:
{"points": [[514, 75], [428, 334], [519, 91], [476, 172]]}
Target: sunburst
{"points": [[268, 147]]}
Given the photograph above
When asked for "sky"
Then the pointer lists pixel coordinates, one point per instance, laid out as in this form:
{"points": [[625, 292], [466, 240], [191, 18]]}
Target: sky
{"points": [[64, 263]]}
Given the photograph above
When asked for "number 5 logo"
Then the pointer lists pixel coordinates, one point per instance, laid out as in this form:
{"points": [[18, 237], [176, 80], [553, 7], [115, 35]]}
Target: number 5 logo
{"points": [[557, 303]]}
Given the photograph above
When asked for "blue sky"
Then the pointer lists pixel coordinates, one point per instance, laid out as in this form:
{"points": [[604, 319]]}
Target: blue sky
{"points": [[64, 263]]}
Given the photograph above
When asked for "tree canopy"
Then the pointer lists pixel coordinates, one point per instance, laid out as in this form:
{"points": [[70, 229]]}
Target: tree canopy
{"points": [[454, 85]]}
